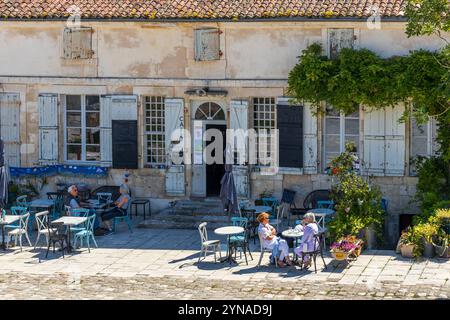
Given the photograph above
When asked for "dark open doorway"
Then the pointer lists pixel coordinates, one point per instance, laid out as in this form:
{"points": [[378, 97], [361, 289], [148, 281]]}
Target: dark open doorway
{"points": [[405, 220], [215, 171]]}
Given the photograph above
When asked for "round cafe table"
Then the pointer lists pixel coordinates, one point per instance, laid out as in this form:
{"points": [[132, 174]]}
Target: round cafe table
{"points": [[294, 234], [229, 231]]}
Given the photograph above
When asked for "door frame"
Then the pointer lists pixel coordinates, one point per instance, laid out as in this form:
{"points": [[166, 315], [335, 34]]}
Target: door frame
{"points": [[194, 104]]}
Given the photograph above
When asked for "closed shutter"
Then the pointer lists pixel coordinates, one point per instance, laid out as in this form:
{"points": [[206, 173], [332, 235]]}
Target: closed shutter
{"points": [[174, 119], [105, 131], [374, 142], [10, 127], [48, 129], [207, 44], [309, 140], [239, 125], [339, 39], [290, 139], [125, 152], [395, 142], [77, 43]]}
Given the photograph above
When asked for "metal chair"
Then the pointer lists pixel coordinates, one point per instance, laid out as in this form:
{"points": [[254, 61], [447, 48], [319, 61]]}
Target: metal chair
{"points": [[87, 233], [242, 243], [42, 220], [20, 231], [21, 201], [325, 204], [125, 218], [58, 207], [262, 252], [207, 243], [239, 222], [318, 240], [104, 197], [252, 223], [58, 236], [16, 211], [278, 218]]}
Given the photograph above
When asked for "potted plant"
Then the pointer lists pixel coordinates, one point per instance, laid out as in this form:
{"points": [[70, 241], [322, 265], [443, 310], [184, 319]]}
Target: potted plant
{"points": [[441, 244], [341, 250], [408, 243], [424, 234]]}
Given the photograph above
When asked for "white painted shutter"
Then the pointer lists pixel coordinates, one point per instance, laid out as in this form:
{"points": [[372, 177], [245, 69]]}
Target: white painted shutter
{"points": [[77, 43], [106, 131], [338, 39], [207, 44], [374, 142], [10, 127], [48, 129], [309, 140], [174, 119], [239, 121], [394, 142]]}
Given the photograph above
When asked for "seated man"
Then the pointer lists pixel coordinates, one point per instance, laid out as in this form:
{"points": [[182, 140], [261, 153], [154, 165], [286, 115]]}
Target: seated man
{"points": [[74, 202], [267, 234], [120, 207]]}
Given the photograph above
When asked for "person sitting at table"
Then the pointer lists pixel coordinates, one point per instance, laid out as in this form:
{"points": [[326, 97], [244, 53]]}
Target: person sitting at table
{"points": [[268, 234], [119, 208], [74, 202], [308, 243]]}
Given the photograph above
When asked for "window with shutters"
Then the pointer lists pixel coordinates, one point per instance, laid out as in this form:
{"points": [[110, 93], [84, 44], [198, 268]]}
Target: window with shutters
{"points": [[207, 44], [338, 39], [423, 141], [264, 122], [338, 129], [82, 128], [77, 43], [155, 131]]}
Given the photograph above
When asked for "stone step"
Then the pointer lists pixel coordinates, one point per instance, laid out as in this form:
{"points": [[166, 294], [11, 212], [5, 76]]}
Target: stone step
{"points": [[170, 224]]}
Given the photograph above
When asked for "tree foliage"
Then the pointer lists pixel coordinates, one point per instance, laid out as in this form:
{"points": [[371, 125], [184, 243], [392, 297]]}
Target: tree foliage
{"points": [[427, 17]]}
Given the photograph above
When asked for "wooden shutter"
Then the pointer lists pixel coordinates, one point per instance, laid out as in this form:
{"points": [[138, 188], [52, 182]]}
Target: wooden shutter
{"points": [[309, 140], [125, 151], [105, 131], [374, 142], [48, 129], [239, 121], [338, 39], [394, 142], [207, 44], [10, 127], [174, 119], [77, 43], [290, 139]]}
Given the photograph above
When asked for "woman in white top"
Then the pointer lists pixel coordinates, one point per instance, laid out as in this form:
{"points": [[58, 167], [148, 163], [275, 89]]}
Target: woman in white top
{"points": [[120, 206], [268, 236], [308, 244]]}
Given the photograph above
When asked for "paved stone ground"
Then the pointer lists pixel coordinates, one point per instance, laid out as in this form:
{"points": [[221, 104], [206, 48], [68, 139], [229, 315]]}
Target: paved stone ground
{"points": [[162, 264]]}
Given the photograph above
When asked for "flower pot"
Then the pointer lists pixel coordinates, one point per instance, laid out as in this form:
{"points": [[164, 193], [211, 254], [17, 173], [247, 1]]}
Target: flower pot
{"points": [[407, 250], [442, 252], [428, 250], [339, 255]]}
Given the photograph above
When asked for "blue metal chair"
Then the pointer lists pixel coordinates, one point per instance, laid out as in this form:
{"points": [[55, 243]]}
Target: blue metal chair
{"points": [[16, 211], [21, 201], [125, 218], [86, 233], [58, 207], [239, 222], [78, 212], [325, 204], [270, 202]]}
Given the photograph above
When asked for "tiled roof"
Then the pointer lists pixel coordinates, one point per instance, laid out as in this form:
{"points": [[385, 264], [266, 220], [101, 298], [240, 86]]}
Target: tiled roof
{"points": [[199, 9]]}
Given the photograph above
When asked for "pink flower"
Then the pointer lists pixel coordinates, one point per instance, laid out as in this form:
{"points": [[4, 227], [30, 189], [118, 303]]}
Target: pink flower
{"points": [[347, 209]]}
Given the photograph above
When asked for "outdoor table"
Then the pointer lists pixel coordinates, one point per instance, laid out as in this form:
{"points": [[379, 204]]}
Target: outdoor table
{"points": [[143, 203], [96, 205], [41, 203], [258, 210], [8, 219], [322, 214], [294, 234], [229, 231], [70, 221]]}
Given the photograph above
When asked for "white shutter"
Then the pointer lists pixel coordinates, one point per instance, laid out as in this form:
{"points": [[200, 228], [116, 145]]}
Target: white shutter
{"points": [[10, 127], [374, 142], [239, 122], [394, 142], [106, 131], [309, 140], [48, 129], [338, 39], [77, 43], [207, 44], [174, 118]]}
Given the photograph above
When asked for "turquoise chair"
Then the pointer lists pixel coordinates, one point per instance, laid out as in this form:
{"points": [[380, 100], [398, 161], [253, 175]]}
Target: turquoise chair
{"points": [[125, 218], [270, 202], [58, 207], [21, 201], [325, 204], [16, 211], [78, 212], [239, 222], [86, 233]]}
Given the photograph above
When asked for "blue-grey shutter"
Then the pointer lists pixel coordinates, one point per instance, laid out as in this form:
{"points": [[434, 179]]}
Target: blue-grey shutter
{"points": [[290, 139], [207, 44], [309, 140], [48, 129], [105, 131], [10, 127]]}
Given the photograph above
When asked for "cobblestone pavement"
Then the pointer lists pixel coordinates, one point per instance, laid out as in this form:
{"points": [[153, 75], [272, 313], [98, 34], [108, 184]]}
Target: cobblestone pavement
{"points": [[162, 264]]}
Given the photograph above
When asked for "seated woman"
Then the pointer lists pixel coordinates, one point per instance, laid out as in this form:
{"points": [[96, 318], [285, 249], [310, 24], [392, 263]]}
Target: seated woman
{"points": [[308, 243], [267, 234], [120, 207]]}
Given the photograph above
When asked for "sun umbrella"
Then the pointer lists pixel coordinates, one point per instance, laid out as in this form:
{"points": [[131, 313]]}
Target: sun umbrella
{"points": [[228, 193]]}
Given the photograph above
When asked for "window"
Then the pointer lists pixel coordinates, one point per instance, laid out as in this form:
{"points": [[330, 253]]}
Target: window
{"points": [[207, 44], [209, 111], [338, 39], [77, 43], [423, 141], [155, 130], [339, 129], [82, 125], [263, 122]]}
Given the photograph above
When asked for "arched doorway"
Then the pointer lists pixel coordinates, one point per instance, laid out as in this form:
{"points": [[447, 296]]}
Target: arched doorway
{"points": [[208, 124]]}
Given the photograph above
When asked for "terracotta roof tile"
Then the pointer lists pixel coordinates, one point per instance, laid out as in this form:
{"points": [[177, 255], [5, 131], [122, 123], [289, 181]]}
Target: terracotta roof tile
{"points": [[198, 9]]}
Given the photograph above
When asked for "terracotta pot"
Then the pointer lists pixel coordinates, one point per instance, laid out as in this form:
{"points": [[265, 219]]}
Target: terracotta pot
{"points": [[339, 255], [407, 250], [442, 252]]}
